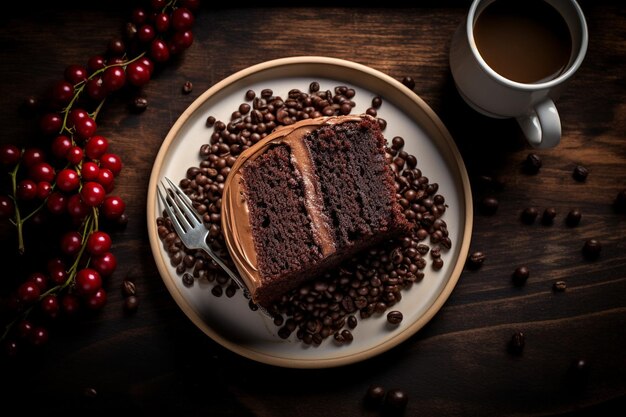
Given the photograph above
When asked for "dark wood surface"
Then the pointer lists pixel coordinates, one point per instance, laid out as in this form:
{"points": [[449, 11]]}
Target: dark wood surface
{"points": [[157, 362]]}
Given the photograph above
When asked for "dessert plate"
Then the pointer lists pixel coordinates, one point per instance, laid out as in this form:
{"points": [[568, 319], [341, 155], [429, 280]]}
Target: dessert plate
{"points": [[229, 321]]}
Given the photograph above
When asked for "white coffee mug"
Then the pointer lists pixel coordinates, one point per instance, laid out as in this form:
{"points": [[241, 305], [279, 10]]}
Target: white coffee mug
{"points": [[491, 94]]}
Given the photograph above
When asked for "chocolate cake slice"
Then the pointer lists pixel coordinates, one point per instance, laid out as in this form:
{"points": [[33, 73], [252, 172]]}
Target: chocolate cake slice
{"points": [[307, 197]]}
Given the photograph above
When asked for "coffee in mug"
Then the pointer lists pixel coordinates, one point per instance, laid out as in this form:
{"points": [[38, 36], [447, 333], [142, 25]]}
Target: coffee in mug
{"points": [[528, 42]]}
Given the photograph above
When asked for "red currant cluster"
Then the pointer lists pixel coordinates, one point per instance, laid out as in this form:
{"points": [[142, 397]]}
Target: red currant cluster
{"points": [[71, 179]]}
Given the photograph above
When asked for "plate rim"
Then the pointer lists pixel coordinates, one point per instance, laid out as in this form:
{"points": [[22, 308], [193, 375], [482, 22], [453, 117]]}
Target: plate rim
{"points": [[401, 335]]}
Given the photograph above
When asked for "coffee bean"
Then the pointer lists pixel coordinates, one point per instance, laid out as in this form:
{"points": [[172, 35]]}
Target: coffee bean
{"points": [[532, 163], [548, 215], [408, 82], [210, 121], [517, 343], [396, 400], [580, 173], [129, 288], [529, 214], [489, 205], [139, 104], [376, 102], [188, 279], [476, 259], [90, 392], [187, 87], [591, 249], [559, 286], [131, 303], [619, 204], [520, 275], [573, 217], [577, 374], [394, 317], [374, 396]]}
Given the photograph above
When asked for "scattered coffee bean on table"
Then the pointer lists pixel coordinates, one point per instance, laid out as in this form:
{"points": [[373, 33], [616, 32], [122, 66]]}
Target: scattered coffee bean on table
{"points": [[139, 104], [516, 343], [580, 173], [396, 400], [559, 286], [532, 163], [548, 216], [520, 275], [187, 87], [592, 248], [476, 259], [529, 214], [573, 217], [489, 206], [131, 303], [374, 396], [408, 82], [620, 202]]}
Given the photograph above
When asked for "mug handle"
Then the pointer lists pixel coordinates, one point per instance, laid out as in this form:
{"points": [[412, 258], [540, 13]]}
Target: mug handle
{"points": [[542, 125]]}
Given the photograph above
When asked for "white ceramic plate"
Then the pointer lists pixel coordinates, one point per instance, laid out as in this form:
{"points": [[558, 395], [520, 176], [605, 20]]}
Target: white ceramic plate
{"points": [[229, 321]]}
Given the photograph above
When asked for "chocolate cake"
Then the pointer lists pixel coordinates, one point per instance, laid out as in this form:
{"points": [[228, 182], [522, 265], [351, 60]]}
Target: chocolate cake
{"points": [[307, 197]]}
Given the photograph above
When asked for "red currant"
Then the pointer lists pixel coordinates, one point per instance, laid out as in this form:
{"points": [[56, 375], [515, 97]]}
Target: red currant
{"points": [[114, 78], [111, 161], [44, 189], [70, 304], [76, 207], [42, 171], [75, 73], [28, 292], [182, 19], [181, 41], [162, 22], [60, 146], [51, 123], [95, 63], [40, 279], [68, 180], [24, 328], [97, 300], [50, 305], [32, 156], [106, 178], [26, 189], [89, 171], [85, 127], [92, 193], [139, 16], [87, 281], [71, 243], [113, 207], [62, 92], [105, 264], [7, 207], [75, 155], [98, 243], [96, 146], [95, 89], [137, 74], [146, 33], [39, 336], [147, 63], [159, 50], [9, 154], [56, 203]]}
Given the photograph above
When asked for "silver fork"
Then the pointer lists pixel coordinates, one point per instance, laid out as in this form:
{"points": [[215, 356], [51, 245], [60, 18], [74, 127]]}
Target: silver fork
{"points": [[192, 232]]}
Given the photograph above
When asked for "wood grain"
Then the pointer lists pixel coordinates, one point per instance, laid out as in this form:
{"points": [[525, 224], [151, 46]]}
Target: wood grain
{"points": [[156, 361]]}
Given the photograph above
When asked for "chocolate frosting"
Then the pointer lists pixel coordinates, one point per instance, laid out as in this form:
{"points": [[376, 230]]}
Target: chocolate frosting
{"points": [[235, 214]]}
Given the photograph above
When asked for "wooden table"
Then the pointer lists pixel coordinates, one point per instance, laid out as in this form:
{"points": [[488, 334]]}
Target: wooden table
{"points": [[157, 362]]}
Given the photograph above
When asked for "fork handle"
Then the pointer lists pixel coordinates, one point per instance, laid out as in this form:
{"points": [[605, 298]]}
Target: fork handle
{"points": [[231, 274]]}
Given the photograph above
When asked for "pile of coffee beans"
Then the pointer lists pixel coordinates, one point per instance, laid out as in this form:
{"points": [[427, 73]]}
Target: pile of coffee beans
{"points": [[368, 284]]}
